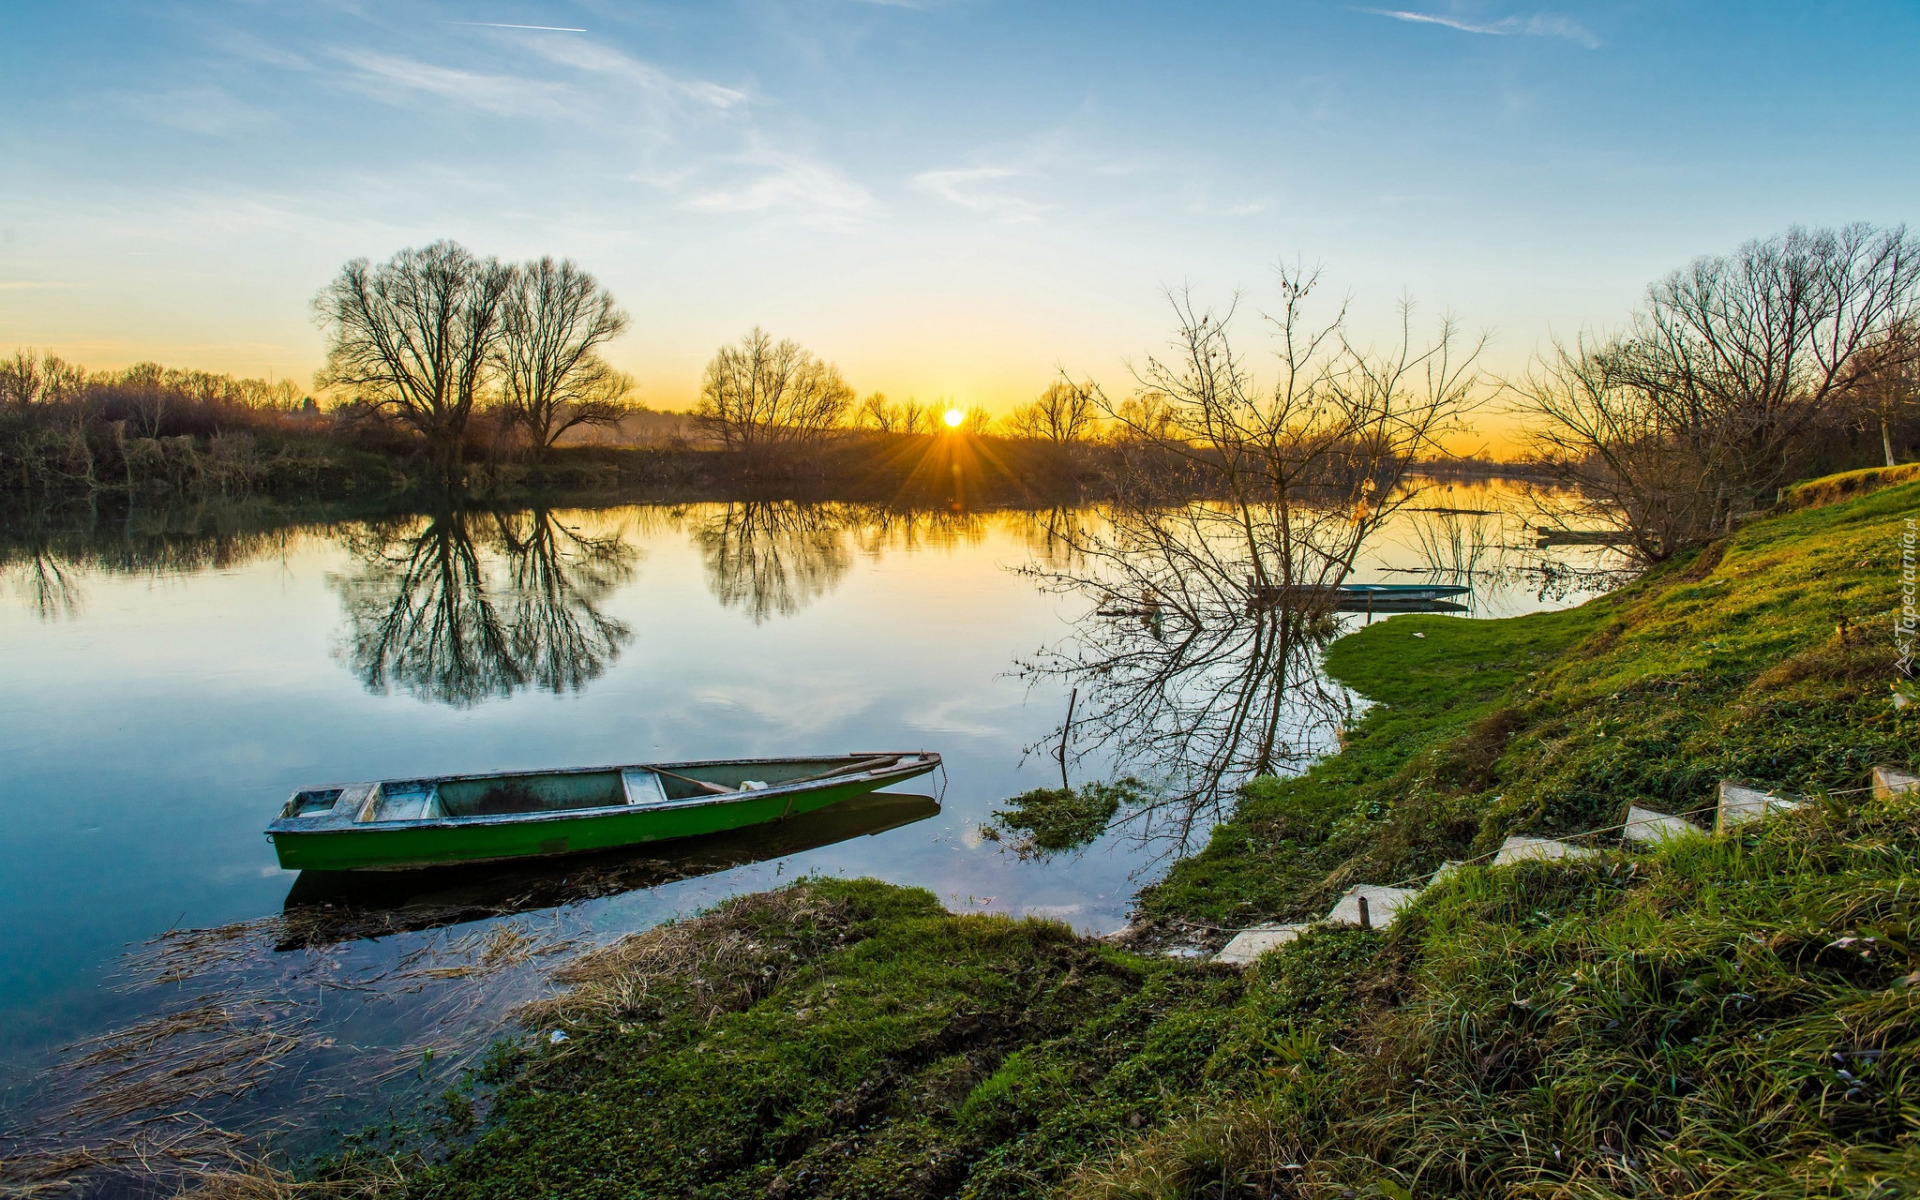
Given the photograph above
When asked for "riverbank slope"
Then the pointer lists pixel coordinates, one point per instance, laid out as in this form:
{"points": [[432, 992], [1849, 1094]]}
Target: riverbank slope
{"points": [[1730, 1015]]}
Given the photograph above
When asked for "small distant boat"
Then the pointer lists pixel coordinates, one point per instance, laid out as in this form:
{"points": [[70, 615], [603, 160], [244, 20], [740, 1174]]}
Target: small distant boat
{"points": [[1363, 597], [1549, 536], [1400, 591], [406, 823]]}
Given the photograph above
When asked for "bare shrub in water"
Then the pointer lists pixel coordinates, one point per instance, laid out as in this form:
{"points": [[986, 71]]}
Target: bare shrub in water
{"points": [[1197, 654]]}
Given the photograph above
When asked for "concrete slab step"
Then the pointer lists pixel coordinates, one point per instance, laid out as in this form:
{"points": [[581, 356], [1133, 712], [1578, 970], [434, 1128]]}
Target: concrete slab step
{"points": [[1646, 827], [1523, 849], [1889, 782], [1446, 868], [1250, 944], [1739, 804], [1383, 903]]}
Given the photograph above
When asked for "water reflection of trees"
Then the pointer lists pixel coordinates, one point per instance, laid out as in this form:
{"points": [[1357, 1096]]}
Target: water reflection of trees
{"points": [[775, 557], [44, 553], [1051, 534], [460, 607]]}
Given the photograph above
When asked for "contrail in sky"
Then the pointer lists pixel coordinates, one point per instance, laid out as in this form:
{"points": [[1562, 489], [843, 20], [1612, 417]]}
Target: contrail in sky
{"points": [[501, 25]]}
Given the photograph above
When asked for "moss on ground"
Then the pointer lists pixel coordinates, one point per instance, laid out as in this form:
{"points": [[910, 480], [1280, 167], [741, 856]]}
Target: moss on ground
{"points": [[1726, 1016]]}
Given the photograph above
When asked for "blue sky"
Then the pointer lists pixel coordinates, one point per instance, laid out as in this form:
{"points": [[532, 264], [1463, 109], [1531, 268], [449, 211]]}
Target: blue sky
{"points": [[948, 198]]}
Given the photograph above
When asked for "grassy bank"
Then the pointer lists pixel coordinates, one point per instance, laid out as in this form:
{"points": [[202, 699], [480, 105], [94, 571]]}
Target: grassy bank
{"points": [[1765, 658], [1730, 1016]]}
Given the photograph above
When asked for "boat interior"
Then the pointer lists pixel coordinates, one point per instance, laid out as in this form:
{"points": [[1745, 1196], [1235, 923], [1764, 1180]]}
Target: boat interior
{"points": [[565, 791]]}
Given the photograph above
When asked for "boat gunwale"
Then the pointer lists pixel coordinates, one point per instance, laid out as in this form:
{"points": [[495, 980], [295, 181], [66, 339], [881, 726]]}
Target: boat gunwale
{"points": [[308, 825]]}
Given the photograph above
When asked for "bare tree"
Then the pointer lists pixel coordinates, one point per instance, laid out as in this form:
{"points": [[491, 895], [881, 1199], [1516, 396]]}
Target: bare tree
{"points": [[1064, 415], [1310, 464], [881, 415], [1703, 407], [552, 378], [762, 397], [974, 420], [31, 379], [415, 336], [1890, 385]]}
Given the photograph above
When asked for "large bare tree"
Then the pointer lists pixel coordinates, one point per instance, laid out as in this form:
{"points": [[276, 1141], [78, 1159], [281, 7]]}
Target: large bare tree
{"points": [[1063, 415], [762, 398], [415, 336], [552, 378], [1309, 463], [1703, 406]]}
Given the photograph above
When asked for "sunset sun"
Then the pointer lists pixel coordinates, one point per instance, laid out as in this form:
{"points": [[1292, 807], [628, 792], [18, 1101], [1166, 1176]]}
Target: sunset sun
{"points": [[953, 417]]}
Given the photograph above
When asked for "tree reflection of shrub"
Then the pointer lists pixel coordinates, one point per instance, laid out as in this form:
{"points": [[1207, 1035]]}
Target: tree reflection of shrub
{"points": [[429, 611]]}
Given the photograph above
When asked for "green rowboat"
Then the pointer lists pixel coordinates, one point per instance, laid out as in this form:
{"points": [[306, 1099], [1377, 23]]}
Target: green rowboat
{"points": [[324, 908], [406, 823]]}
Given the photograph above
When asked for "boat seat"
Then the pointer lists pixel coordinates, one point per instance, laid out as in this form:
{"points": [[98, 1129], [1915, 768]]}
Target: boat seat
{"points": [[644, 789], [411, 805]]}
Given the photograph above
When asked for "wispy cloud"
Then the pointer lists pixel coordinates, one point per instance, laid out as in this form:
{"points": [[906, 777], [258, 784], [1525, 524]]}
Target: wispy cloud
{"points": [[776, 179], [1537, 25], [390, 78], [589, 56], [972, 188], [504, 25], [1248, 209]]}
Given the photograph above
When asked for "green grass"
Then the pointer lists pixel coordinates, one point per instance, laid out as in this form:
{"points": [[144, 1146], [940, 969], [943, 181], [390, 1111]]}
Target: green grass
{"points": [[1728, 663], [841, 1036], [1727, 1017], [1731, 1016]]}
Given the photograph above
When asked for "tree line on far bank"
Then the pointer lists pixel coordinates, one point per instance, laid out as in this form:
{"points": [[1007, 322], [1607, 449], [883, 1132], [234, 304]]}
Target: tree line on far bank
{"points": [[437, 361], [1795, 355]]}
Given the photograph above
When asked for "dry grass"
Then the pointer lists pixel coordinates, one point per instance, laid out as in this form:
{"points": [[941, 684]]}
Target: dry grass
{"points": [[178, 1096], [256, 1178], [719, 963]]}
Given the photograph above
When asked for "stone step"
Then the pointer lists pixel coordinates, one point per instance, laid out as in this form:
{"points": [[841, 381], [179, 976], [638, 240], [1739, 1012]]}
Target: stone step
{"points": [[1383, 903], [1523, 849], [1738, 805], [1250, 944], [1446, 868], [1889, 782], [1648, 828]]}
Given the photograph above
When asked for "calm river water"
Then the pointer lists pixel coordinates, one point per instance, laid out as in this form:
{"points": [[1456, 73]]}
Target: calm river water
{"points": [[167, 687]]}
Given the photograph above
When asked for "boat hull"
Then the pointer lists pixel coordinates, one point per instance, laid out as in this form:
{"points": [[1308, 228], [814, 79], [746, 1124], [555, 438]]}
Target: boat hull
{"points": [[431, 843]]}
